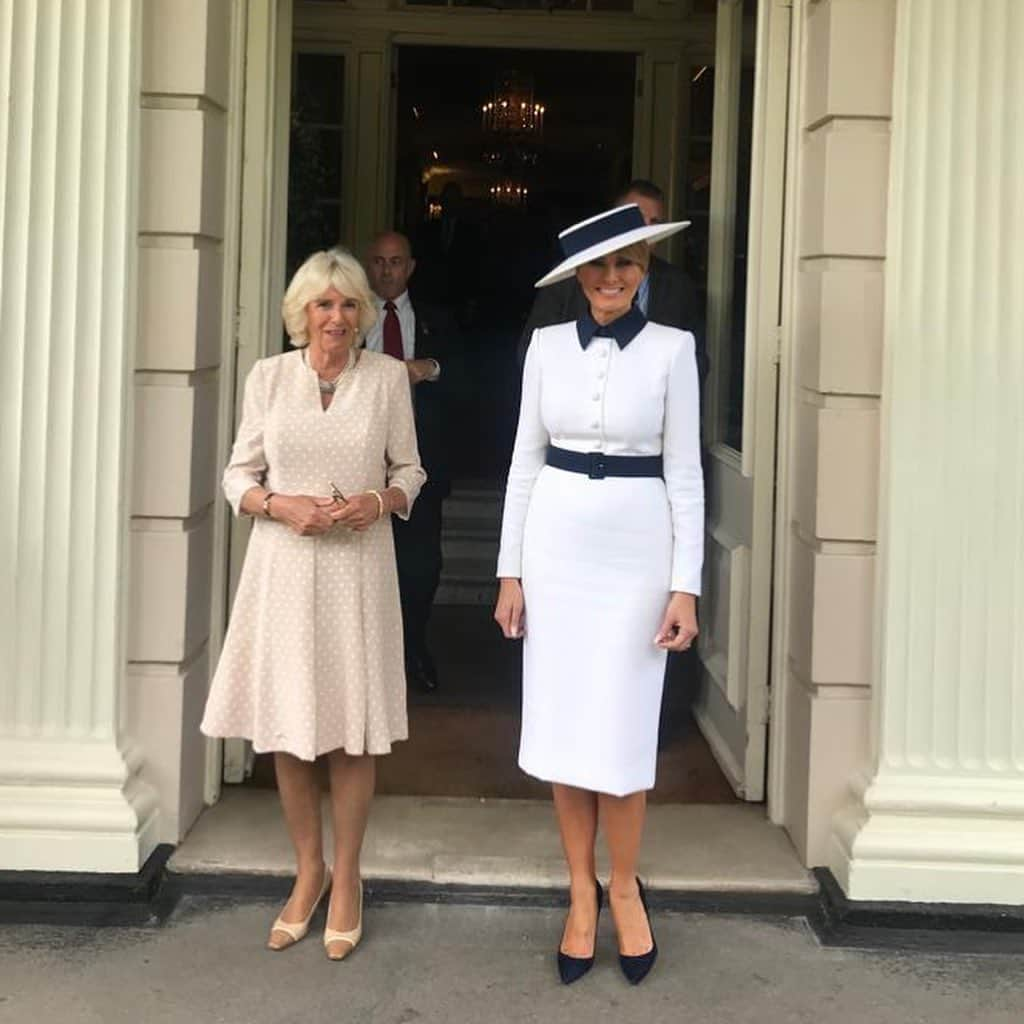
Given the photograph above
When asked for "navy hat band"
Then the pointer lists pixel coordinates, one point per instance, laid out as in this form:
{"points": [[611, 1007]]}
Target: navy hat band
{"points": [[618, 222]]}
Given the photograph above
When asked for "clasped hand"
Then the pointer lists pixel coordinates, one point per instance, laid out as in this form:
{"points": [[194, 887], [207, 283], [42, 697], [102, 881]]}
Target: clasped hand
{"points": [[311, 516]]}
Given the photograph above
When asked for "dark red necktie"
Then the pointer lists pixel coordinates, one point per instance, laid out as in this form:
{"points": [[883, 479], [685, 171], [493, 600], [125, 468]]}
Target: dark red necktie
{"points": [[392, 332]]}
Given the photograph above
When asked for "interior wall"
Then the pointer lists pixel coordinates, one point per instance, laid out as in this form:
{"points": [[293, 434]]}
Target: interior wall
{"points": [[828, 538], [186, 105]]}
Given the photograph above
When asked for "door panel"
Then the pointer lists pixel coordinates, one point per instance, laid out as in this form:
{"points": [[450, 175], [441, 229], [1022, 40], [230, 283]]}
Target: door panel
{"points": [[744, 266]]}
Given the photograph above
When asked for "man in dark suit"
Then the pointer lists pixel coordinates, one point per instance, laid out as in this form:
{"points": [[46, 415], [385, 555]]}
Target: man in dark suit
{"points": [[666, 296], [425, 338]]}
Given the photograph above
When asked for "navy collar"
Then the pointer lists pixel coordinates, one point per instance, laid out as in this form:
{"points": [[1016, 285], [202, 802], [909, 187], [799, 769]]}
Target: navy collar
{"points": [[623, 330]]}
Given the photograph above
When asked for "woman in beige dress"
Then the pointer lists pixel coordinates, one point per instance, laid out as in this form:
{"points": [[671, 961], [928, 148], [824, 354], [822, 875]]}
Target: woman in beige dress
{"points": [[312, 660]]}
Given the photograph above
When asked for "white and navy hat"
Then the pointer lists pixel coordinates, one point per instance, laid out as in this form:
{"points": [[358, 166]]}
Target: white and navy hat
{"points": [[605, 233]]}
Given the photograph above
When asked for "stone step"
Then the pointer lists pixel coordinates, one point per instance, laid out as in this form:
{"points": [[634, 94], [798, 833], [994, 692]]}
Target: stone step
{"points": [[467, 548], [466, 593], [474, 505], [469, 541], [467, 526], [467, 581], [502, 844]]}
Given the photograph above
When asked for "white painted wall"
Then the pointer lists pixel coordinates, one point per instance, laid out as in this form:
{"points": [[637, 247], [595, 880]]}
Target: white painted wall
{"points": [[938, 813], [187, 114], [826, 526]]}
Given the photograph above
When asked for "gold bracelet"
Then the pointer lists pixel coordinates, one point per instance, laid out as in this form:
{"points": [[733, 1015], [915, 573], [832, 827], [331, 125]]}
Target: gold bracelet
{"points": [[266, 503], [380, 503]]}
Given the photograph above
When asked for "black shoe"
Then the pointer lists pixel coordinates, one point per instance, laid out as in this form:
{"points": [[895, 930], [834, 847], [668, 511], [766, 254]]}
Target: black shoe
{"points": [[429, 670], [636, 968], [420, 671], [572, 968]]}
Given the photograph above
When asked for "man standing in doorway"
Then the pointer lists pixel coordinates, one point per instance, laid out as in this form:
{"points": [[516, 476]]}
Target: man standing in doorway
{"points": [[666, 295], [425, 339]]}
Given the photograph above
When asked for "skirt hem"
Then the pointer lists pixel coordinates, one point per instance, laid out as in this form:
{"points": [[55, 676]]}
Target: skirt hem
{"points": [[563, 779], [374, 750]]}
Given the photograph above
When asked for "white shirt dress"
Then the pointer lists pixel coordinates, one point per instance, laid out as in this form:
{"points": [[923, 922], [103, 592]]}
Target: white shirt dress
{"points": [[312, 660], [598, 559]]}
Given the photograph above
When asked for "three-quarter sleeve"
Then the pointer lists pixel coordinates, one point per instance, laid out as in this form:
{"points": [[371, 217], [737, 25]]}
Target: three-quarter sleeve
{"points": [[684, 480], [403, 458], [528, 456], [247, 467]]}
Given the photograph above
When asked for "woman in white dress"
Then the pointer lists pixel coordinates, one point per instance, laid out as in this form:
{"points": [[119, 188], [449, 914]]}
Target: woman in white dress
{"points": [[312, 661], [600, 565]]}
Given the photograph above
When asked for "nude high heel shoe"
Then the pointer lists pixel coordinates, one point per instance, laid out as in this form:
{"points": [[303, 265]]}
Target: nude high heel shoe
{"points": [[351, 938], [297, 930]]}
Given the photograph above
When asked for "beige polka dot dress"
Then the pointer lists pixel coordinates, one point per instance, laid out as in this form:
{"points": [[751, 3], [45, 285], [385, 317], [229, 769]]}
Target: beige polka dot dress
{"points": [[312, 660]]}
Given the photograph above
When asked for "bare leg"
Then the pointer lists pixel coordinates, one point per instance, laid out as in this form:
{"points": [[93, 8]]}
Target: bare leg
{"points": [[352, 782], [299, 791], [622, 820], [577, 821]]}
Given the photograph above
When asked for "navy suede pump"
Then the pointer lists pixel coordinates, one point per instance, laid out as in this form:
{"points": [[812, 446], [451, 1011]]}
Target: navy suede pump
{"points": [[636, 968], [572, 968]]}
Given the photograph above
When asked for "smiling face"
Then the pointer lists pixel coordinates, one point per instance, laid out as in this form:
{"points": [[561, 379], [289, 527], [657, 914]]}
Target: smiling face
{"points": [[332, 323], [610, 284]]}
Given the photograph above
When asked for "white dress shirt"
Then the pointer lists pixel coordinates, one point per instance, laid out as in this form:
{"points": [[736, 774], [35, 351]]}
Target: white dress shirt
{"points": [[406, 321]]}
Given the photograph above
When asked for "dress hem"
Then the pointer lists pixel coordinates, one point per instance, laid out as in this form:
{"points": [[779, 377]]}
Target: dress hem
{"points": [[258, 748], [560, 779]]}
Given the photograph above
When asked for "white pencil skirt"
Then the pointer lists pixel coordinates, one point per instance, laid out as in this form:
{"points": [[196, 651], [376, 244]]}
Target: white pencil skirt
{"points": [[596, 576]]}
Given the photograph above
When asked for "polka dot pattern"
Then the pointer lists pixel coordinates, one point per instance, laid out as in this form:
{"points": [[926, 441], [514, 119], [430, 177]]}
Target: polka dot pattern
{"points": [[312, 660]]}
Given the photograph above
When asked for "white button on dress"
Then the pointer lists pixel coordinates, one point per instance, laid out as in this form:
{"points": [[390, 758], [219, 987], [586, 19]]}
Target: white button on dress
{"points": [[599, 558]]}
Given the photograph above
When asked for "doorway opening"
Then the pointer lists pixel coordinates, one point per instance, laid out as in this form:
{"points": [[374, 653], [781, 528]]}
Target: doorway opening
{"points": [[496, 150], [482, 193]]}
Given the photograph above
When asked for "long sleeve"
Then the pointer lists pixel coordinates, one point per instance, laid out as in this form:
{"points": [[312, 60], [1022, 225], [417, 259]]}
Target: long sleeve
{"points": [[247, 466], [528, 456], [684, 480], [403, 458]]}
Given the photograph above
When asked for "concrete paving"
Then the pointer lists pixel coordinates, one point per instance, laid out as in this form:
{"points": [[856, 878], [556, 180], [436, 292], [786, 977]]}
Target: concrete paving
{"points": [[691, 847], [421, 964]]}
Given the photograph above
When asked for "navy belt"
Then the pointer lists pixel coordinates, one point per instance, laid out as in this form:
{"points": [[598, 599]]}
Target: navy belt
{"points": [[597, 465]]}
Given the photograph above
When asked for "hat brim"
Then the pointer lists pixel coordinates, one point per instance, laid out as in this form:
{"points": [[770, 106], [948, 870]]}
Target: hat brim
{"points": [[651, 233]]}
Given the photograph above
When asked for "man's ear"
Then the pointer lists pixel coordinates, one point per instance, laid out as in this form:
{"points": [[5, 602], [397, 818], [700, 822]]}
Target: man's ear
{"points": [[412, 266]]}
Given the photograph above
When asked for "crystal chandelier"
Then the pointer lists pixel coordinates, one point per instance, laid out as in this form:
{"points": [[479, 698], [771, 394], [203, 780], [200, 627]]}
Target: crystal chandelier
{"points": [[509, 193], [512, 110]]}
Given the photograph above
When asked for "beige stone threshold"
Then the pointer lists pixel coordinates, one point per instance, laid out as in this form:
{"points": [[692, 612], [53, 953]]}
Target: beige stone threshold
{"points": [[504, 844]]}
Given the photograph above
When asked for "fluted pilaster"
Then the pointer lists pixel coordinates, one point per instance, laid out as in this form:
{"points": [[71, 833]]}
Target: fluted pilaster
{"points": [[68, 182], [941, 815]]}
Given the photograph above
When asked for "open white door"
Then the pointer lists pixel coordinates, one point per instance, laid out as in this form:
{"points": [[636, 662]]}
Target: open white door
{"points": [[261, 252], [744, 269]]}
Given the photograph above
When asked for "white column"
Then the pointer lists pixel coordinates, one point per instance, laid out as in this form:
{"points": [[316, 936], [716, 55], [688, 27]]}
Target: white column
{"points": [[940, 817], [69, 96]]}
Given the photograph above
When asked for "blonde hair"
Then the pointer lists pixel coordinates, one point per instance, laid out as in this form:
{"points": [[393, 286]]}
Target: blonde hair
{"points": [[638, 253], [333, 268]]}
